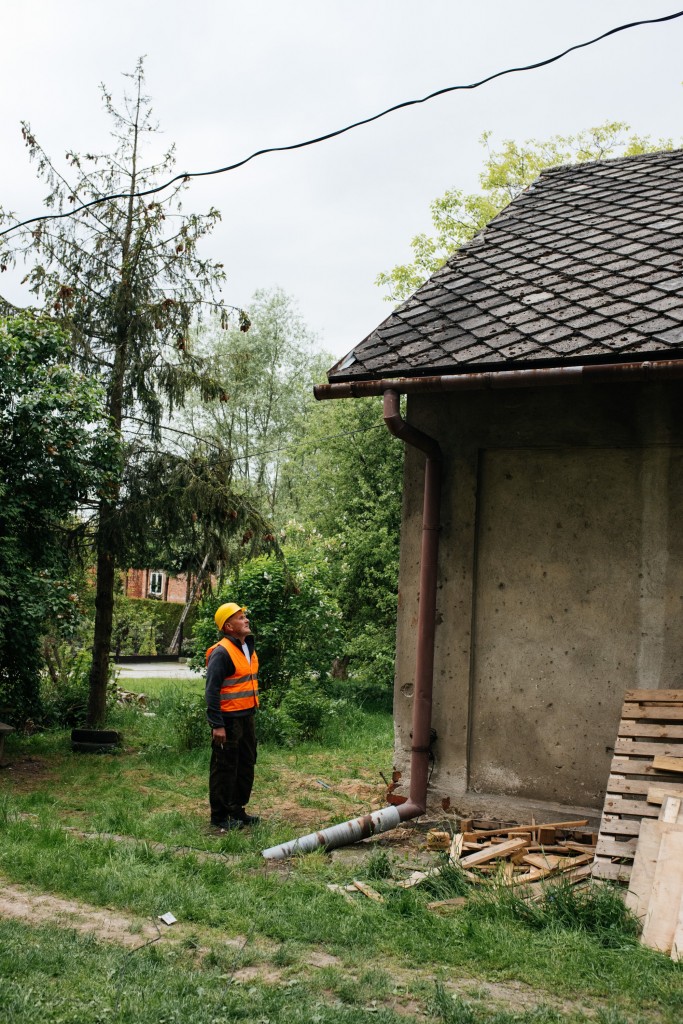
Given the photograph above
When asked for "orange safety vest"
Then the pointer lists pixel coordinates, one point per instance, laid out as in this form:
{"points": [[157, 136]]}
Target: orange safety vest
{"points": [[239, 692]]}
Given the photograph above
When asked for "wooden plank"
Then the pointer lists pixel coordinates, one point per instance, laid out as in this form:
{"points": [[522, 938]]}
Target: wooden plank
{"points": [[677, 945], [555, 863], [609, 847], [671, 809], [453, 904], [662, 730], [492, 852], [641, 787], [455, 851], [630, 784], [516, 830], [637, 808], [645, 748], [667, 888], [672, 696], [368, 891], [657, 794], [633, 766], [667, 763], [644, 863], [612, 824], [606, 869], [671, 712]]}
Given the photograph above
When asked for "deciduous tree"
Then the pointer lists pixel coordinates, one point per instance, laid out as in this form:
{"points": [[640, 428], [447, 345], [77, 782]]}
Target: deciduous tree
{"points": [[457, 216], [52, 462]]}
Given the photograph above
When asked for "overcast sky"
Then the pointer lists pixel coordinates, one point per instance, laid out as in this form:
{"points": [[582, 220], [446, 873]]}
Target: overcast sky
{"points": [[227, 78]]}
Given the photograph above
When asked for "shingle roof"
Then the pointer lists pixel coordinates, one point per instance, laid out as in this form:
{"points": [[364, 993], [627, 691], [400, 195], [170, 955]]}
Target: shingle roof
{"points": [[585, 266]]}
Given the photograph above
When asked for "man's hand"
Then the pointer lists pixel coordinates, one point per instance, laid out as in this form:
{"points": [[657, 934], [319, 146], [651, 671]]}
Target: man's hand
{"points": [[218, 734]]}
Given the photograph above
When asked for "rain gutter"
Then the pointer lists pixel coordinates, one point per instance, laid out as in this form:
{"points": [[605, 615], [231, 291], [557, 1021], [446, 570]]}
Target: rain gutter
{"points": [[416, 804], [605, 373]]}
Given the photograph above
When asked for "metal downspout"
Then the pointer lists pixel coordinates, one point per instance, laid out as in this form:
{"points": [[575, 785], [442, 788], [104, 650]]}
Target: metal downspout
{"points": [[389, 817]]}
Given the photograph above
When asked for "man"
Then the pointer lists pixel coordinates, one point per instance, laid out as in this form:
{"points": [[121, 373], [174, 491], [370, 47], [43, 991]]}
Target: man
{"points": [[231, 702]]}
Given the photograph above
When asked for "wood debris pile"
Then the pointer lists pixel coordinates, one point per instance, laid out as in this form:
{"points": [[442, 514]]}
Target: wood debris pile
{"points": [[517, 855]]}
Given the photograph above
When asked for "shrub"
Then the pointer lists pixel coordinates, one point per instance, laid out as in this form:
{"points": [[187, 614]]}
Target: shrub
{"points": [[187, 713], [295, 619], [146, 626], [64, 689], [303, 712]]}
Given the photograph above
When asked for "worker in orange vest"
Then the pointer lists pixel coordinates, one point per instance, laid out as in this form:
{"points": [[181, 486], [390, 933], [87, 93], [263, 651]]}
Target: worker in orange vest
{"points": [[231, 702]]}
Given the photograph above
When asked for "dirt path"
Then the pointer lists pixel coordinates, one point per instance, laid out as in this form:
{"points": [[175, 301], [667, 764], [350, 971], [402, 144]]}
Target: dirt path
{"points": [[105, 925]]}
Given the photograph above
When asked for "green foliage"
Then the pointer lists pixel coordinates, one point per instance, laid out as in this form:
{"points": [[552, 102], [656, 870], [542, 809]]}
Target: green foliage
{"points": [[598, 909], [146, 626], [64, 693], [292, 613], [350, 457], [458, 216], [302, 712], [51, 462], [267, 393], [127, 280], [187, 714]]}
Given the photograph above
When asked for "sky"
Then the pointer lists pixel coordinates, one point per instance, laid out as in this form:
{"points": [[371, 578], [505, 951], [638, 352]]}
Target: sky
{"points": [[228, 78]]}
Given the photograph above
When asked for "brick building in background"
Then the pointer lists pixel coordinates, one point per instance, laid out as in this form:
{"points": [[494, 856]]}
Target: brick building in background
{"points": [[155, 583]]}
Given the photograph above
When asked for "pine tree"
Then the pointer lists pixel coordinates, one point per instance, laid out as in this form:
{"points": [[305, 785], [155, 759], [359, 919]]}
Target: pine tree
{"points": [[126, 278]]}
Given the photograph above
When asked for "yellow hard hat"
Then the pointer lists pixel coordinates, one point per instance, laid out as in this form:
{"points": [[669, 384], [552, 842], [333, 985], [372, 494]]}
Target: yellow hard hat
{"points": [[225, 611]]}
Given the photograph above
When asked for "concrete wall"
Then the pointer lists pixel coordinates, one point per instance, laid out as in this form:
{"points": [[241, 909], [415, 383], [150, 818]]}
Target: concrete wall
{"points": [[560, 586]]}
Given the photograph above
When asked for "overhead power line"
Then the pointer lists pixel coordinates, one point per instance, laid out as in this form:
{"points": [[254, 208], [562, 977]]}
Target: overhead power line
{"points": [[187, 175]]}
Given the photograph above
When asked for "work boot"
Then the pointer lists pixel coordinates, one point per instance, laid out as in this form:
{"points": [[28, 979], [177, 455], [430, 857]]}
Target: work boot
{"points": [[228, 824], [246, 819]]}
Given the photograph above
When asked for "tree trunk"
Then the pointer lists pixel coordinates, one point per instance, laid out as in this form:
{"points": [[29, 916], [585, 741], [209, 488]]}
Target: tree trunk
{"points": [[104, 614]]}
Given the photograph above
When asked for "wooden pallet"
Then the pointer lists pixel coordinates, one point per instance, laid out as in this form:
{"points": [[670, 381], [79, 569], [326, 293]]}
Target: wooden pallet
{"points": [[651, 725]]}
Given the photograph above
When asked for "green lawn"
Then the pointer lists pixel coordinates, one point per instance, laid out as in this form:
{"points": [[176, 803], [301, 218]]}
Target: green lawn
{"points": [[258, 941]]}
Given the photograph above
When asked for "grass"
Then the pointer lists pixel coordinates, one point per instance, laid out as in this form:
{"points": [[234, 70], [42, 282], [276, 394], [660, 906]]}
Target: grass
{"points": [[576, 955]]}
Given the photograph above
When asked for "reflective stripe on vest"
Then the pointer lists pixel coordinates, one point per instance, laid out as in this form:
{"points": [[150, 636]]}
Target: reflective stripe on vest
{"points": [[239, 692]]}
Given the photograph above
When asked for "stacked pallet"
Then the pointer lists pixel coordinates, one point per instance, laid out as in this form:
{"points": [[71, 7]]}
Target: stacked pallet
{"points": [[651, 728], [656, 885]]}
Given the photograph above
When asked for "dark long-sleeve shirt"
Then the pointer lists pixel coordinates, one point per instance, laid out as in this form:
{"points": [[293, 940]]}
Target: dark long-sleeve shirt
{"points": [[221, 666]]}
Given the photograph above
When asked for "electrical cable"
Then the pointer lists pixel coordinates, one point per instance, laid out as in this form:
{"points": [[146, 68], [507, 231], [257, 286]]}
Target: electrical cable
{"points": [[187, 175]]}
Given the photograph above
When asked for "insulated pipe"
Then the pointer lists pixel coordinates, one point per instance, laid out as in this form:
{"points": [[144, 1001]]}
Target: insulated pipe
{"points": [[606, 373], [389, 817]]}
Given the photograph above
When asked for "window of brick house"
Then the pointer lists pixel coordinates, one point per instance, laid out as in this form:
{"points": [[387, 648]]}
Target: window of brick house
{"points": [[156, 584]]}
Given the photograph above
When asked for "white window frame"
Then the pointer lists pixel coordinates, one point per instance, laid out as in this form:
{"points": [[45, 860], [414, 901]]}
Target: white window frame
{"points": [[156, 584]]}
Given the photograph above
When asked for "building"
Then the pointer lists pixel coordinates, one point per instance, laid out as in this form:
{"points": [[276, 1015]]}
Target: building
{"points": [[545, 359], [157, 584]]}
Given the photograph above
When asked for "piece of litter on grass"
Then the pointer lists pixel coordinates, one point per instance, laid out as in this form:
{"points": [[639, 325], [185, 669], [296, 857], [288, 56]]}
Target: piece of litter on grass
{"points": [[323, 784], [167, 918]]}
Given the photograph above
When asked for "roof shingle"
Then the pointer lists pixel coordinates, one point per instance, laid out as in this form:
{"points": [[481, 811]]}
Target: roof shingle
{"points": [[586, 265]]}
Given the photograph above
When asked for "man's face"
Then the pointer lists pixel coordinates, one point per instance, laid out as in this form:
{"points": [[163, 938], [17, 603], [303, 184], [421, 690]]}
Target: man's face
{"points": [[238, 625]]}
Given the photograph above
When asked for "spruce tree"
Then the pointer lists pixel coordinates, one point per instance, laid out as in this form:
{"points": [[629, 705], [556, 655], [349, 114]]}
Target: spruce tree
{"points": [[126, 278]]}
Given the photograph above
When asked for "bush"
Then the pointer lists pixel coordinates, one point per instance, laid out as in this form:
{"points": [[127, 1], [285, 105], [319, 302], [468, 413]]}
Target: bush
{"points": [[295, 619], [64, 689], [187, 713], [303, 713], [145, 626]]}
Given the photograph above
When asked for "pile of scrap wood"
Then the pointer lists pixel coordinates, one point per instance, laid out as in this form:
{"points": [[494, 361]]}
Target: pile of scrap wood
{"points": [[655, 892], [518, 855]]}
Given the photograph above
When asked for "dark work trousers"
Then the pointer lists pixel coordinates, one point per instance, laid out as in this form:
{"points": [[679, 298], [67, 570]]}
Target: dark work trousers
{"points": [[231, 773]]}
